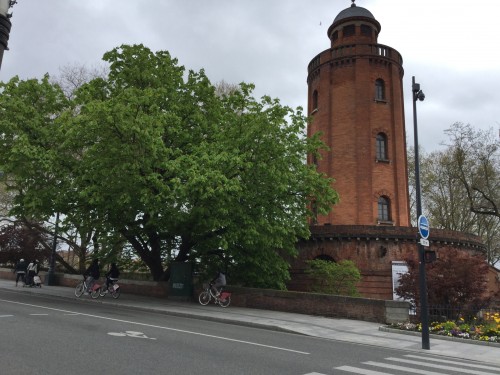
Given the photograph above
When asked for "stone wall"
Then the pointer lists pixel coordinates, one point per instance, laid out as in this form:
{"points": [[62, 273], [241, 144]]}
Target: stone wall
{"points": [[365, 309], [303, 303]]}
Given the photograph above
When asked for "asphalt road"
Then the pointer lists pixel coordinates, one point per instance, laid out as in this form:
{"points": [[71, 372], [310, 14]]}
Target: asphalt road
{"points": [[47, 335]]}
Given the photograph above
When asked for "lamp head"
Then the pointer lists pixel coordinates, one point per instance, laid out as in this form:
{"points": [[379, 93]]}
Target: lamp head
{"points": [[421, 96], [5, 5]]}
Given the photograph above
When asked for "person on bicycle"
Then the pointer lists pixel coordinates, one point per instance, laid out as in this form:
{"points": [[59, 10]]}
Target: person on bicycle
{"points": [[112, 275], [218, 282], [92, 274]]}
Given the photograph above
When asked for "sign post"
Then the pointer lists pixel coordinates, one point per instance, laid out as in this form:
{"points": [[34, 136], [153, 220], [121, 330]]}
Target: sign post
{"points": [[423, 230]]}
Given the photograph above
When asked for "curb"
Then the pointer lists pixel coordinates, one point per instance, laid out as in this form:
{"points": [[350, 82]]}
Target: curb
{"points": [[439, 337]]}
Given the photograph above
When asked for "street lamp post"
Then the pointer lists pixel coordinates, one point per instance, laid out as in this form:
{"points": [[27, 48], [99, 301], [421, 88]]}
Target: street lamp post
{"points": [[51, 273], [5, 25], [424, 314]]}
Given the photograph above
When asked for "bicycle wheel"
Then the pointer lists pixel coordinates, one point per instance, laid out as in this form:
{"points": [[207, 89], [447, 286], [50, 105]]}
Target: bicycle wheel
{"points": [[79, 289], [225, 302], [115, 293], [95, 293], [204, 298], [102, 291]]}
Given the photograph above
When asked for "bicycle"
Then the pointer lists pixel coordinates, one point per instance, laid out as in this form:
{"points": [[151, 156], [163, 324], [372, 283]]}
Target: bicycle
{"points": [[223, 299], [113, 289], [83, 286]]}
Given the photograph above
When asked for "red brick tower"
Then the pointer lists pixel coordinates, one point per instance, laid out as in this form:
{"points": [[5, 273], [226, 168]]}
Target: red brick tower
{"points": [[356, 101]]}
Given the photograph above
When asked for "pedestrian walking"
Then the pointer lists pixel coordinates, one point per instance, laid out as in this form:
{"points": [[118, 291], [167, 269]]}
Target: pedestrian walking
{"points": [[20, 271], [32, 272]]}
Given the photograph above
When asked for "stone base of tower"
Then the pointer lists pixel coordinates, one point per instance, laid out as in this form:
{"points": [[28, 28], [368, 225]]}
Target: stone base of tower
{"points": [[375, 250]]}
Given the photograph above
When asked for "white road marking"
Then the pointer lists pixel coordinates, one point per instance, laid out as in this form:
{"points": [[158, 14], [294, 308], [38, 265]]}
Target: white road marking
{"points": [[441, 367], [411, 364], [5, 316], [403, 368], [452, 362], [139, 335], [361, 371], [40, 314], [160, 327]]}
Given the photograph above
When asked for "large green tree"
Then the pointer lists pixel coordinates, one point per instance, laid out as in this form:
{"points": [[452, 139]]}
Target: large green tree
{"points": [[155, 154], [36, 173]]}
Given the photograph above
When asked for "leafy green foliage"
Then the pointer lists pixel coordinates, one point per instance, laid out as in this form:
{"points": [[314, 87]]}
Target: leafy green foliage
{"points": [[334, 278], [155, 155]]}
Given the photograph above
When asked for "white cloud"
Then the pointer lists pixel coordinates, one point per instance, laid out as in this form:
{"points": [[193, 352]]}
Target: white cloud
{"points": [[449, 46]]}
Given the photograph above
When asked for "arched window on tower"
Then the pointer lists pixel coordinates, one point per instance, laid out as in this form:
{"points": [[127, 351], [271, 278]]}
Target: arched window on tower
{"points": [[381, 147], [349, 30], [384, 209], [366, 30], [315, 100], [380, 90], [335, 36]]}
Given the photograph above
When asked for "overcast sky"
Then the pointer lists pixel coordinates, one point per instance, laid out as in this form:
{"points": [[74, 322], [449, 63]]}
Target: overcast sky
{"points": [[450, 46]]}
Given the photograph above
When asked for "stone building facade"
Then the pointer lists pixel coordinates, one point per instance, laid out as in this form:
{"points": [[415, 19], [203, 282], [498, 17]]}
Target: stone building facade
{"points": [[355, 99]]}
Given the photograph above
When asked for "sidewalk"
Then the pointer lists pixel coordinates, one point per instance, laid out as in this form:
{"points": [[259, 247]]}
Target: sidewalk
{"points": [[335, 329]]}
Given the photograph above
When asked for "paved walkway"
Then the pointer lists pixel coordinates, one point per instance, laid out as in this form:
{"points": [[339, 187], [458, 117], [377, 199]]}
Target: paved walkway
{"points": [[328, 328]]}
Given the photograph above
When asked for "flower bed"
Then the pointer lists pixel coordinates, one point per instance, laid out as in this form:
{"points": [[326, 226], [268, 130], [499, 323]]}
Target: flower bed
{"points": [[485, 329]]}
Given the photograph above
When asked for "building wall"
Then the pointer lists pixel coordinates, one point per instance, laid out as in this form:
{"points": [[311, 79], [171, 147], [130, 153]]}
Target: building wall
{"points": [[341, 89], [373, 249], [348, 114]]}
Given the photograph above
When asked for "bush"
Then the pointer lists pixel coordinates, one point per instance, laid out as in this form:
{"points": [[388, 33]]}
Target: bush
{"points": [[334, 278], [456, 282]]}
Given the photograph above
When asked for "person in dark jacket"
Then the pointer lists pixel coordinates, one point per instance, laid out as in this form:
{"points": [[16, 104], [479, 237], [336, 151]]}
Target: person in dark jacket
{"points": [[218, 282], [92, 274], [20, 271], [112, 275]]}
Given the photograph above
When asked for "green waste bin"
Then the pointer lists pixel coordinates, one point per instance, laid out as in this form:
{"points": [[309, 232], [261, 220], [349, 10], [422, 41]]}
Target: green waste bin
{"points": [[181, 280]]}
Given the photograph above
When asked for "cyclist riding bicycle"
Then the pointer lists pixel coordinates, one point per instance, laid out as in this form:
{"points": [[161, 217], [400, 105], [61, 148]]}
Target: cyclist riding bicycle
{"points": [[92, 274], [112, 275], [217, 283]]}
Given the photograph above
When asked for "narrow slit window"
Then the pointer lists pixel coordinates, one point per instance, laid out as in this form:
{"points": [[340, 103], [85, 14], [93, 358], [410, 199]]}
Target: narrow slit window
{"points": [[381, 147], [384, 209], [315, 100], [379, 89]]}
